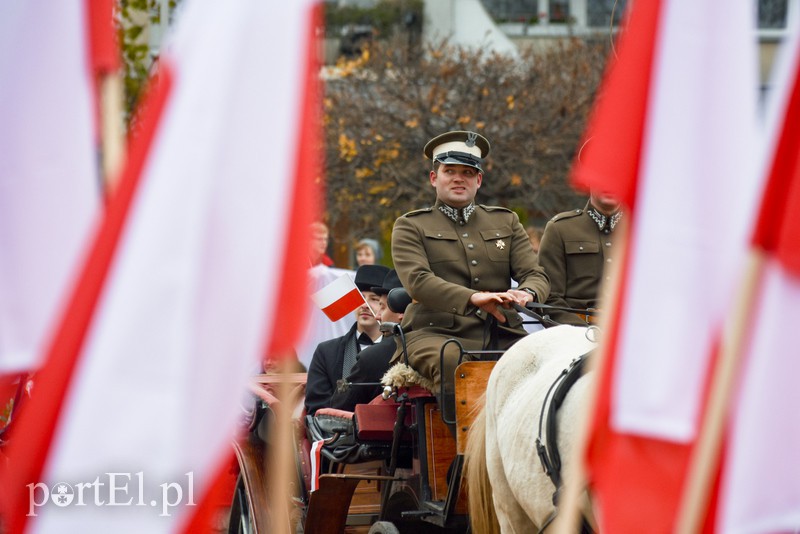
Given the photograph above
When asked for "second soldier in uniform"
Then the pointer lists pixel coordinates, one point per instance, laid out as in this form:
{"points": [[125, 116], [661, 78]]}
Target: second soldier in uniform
{"points": [[576, 249]]}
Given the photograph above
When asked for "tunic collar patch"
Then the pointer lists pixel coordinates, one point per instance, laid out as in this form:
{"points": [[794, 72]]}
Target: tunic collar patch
{"points": [[603, 222], [454, 214]]}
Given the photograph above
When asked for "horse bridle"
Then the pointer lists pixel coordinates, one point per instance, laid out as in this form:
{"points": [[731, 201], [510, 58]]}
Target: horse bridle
{"points": [[548, 452], [547, 449]]}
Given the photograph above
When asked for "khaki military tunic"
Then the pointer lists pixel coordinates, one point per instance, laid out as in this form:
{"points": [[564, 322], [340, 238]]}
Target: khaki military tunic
{"points": [[441, 263], [574, 253]]}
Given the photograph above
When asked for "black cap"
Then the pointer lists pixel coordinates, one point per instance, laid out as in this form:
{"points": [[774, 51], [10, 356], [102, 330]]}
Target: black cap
{"points": [[369, 276], [390, 281]]}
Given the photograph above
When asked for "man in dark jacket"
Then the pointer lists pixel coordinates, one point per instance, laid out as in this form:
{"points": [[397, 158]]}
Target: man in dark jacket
{"points": [[335, 358], [373, 361], [577, 247], [457, 259]]}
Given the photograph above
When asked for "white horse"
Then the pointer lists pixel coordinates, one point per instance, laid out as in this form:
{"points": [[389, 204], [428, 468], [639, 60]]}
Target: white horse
{"points": [[509, 491]]}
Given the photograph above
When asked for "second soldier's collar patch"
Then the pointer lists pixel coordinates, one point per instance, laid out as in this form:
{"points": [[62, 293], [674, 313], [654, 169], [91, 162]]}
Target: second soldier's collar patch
{"points": [[606, 224]]}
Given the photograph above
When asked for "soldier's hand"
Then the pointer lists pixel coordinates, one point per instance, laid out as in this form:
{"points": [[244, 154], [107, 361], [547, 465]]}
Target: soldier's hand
{"points": [[520, 297], [489, 302]]}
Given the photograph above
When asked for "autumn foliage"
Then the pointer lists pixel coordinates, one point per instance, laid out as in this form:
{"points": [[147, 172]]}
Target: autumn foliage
{"points": [[381, 109]]}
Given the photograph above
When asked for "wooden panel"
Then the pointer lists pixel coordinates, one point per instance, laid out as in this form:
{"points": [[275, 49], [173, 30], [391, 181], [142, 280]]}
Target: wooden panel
{"points": [[471, 380], [441, 451], [367, 497], [328, 507]]}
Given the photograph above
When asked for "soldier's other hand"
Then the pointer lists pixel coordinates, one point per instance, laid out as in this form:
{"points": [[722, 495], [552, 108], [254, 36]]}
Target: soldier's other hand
{"points": [[520, 297], [489, 303]]}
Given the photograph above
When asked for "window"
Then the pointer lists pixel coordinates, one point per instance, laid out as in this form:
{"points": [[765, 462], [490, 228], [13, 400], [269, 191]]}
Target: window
{"points": [[512, 10], [772, 14], [559, 10], [599, 12]]}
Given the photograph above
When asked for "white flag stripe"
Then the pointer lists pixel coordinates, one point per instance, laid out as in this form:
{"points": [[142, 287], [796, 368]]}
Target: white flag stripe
{"points": [[319, 327], [765, 439], [182, 320], [48, 178], [334, 291], [691, 222]]}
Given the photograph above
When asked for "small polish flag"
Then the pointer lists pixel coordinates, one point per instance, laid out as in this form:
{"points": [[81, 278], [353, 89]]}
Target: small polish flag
{"points": [[316, 463], [339, 298]]}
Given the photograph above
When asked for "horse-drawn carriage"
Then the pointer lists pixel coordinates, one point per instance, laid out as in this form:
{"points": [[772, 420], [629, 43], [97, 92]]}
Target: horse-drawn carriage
{"points": [[392, 465]]}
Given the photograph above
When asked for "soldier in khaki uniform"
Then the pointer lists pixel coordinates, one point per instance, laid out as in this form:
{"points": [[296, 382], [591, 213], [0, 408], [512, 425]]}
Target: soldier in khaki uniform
{"points": [[576, 247], [456, 260]]}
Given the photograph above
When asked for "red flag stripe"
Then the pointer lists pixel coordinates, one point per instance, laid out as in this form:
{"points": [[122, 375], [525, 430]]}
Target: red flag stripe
{"points": [[610, 157], [305, 200], [344, 305], [104, 51], [782, 178], [787, 167]]}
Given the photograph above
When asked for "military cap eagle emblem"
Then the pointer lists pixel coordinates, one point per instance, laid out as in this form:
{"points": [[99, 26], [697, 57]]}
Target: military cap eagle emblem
{"points": [[472, 137]]}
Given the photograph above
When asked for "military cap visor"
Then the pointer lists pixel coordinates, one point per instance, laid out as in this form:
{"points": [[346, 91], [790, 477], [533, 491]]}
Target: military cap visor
{"points": [[453, 157], [458, 148]]}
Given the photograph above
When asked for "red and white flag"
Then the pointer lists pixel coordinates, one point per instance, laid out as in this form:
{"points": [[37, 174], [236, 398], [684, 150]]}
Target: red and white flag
{"points": [[673, 135], [339, 298], [760, 484], [319, 327], [138, 401], [316, 463], [49, 181]]}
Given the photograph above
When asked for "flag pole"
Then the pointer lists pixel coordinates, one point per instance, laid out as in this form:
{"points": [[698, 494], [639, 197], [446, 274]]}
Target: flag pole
{"points": [[112, 130], [706, 453], [281, 457]]}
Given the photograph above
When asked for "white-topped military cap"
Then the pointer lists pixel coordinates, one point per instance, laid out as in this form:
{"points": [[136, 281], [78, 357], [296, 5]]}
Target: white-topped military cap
{"points": [[458, 148]]}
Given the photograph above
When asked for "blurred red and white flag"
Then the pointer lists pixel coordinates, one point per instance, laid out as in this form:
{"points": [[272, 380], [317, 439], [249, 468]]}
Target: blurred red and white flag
{"points": [[189, 282], [49, 182], [339, 298], [674, 136], [760, 483]]}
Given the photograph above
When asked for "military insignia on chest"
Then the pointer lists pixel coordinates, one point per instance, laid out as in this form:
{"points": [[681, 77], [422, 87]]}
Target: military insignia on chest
{"points": [[500, 244]]}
